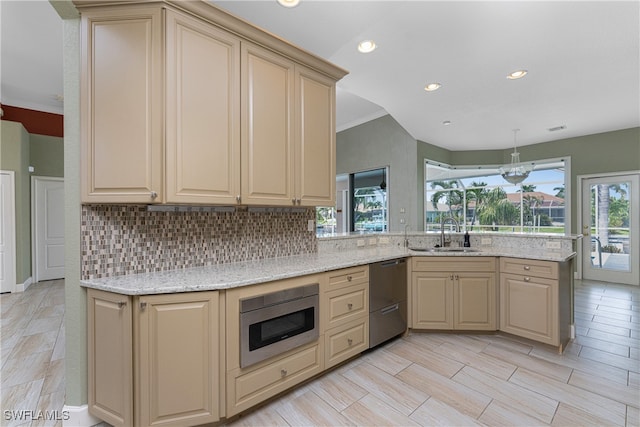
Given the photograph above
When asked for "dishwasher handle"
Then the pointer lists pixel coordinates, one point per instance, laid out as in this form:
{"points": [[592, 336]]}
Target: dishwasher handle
{"points": [[393, 262], [390, 309]]}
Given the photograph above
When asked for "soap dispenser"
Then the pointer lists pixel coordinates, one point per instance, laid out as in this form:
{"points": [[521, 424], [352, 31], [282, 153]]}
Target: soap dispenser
{"points": [[467, 243]]}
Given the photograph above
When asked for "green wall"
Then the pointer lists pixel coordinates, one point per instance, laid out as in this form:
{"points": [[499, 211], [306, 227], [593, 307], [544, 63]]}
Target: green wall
{"points": [[47, 155], [376, 144], [364, 147], [14, 156], [19, 150]]}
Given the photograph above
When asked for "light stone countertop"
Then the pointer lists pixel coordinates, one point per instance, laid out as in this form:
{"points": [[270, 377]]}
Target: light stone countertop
{"points": [[232, 275]]}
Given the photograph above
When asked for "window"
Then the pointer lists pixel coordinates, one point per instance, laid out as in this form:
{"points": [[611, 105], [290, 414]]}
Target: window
{"points": [[481, 200], [369, 201]]}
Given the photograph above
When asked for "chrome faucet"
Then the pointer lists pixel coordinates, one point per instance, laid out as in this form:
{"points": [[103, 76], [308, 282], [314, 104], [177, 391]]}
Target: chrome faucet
{"points": [[444, 243], [406, 238]]}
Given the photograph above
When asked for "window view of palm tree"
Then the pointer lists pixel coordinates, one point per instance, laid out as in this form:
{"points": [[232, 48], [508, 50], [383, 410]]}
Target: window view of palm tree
{"points": [[369, 201], [481, 200], [610, 216]]}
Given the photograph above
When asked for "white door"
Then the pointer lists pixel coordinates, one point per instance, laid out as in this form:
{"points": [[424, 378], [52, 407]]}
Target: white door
{"points": [[610, 227], [7, 232], [48, 228]]}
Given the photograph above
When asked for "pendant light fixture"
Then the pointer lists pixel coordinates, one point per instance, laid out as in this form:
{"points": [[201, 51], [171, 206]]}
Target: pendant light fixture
{"points": [[516, 172]]}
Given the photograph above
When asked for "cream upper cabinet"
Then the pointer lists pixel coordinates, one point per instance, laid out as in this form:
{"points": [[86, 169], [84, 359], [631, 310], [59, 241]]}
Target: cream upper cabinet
{"points": [[181, 106], [315, 147], [202, 112], [267, 127], [121, 106]]}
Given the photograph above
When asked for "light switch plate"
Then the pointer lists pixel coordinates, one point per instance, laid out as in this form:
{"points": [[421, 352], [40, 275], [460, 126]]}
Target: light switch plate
{"points": [[311, 225], [372, 241], [486, 241], [383, 240], [361, 243]]}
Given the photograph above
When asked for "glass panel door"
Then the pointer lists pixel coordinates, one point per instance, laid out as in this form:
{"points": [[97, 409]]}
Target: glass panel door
{"points": [[610, 229]]}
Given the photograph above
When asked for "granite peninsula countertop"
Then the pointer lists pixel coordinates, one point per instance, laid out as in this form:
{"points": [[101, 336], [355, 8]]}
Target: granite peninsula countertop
{"points": [[232, 275]]}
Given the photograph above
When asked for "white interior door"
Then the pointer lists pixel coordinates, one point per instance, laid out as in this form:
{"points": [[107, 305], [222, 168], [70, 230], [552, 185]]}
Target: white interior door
{"points": [[7, 232], [610, 228], [48, 228]]}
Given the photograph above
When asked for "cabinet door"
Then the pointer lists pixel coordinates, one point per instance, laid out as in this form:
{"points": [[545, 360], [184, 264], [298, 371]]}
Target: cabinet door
{"points": [[110, 347], [177, 359], [122, 106], [202, 112], [432, 304], [315, 165], [267, 127], [474, 297], [529, 307]]}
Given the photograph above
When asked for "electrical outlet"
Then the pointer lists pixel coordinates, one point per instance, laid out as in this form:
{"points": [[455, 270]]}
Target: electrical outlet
{"points": [[553, 245], [360, 243], [383, 240], [373, 241], [311, 225], [486, 241]]}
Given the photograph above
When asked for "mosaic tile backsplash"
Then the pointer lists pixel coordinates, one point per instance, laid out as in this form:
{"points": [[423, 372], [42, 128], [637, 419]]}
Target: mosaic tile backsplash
{"points": [[118, 240]]}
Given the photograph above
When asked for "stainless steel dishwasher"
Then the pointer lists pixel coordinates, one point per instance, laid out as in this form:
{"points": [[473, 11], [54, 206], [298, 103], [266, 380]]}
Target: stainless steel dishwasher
{"points": [[387, 300]]}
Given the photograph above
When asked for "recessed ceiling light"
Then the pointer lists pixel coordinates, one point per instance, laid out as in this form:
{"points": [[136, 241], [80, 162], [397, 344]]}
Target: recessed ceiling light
{"points": [[518, 74], [289, 3], [557, 128], [432, 86], [367, 46], [446, 122]]}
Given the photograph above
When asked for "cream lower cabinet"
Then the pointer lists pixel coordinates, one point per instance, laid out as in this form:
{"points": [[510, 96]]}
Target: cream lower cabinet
{"points": [[154, 360], [453, 293], [535, 300], [344, 313], [246, 387]]}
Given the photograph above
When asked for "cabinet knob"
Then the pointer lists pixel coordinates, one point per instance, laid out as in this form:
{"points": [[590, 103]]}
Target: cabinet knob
{"points": [[154, 195], [526, 279], [293, 201], [299, 201], [349, 306], [451, 277], [143, 305], [283, 372], [527, 268], [349, 341], [121, 304], [349, 278], [456, 277], [238, 198]]}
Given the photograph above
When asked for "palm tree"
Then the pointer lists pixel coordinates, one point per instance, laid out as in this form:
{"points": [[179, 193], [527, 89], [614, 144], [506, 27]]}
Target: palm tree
{"points": [[452, 196], [559, 191], [478, 194], [498, 210]]}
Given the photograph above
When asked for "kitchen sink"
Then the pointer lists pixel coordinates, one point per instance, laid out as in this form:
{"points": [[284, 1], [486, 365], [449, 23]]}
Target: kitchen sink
{"points": [[454, 249]]}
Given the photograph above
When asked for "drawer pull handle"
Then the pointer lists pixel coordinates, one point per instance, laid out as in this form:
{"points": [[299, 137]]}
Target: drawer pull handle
{"points": [[526, 279], [390, 309], [526, 267], [153, 195], [451, 277], [283, 372], [349, 278], [143, 305], [457, 277], [349, 306], [349, 341], [121, 304]]}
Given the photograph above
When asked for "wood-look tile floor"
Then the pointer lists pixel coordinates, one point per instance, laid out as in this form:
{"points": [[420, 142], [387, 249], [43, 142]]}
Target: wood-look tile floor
{"points": [[423, 379]]}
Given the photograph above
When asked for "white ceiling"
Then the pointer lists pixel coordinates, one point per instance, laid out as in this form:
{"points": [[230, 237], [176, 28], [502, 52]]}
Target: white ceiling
{"points": [[582, 58]]}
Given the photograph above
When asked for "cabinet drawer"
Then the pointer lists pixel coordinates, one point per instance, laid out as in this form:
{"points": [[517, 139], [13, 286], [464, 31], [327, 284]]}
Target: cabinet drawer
{"points": [[344, 305], [348, 276], [453, 263], [346, 341], [248, 389], [535, 268]]}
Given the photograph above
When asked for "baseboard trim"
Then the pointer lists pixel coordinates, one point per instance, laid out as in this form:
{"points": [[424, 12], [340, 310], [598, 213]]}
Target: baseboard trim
{"points": [[79, 416], [21, 287]]}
